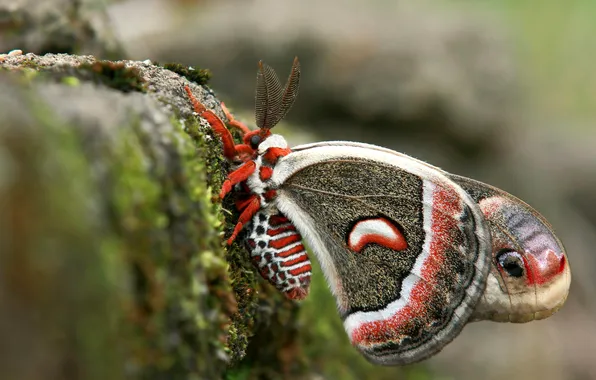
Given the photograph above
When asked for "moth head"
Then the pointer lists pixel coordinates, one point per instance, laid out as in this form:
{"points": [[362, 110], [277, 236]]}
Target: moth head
{"points": [[529, 277], [255, 138]]}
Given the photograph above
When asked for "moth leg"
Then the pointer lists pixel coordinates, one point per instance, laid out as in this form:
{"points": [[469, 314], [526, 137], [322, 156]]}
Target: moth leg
{"points": [[252, 206], [241, 204], [239, 175], [245, 152], [218, 126], [233, 122]]}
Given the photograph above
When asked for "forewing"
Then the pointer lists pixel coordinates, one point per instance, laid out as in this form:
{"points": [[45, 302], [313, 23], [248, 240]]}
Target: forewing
{"points": [[404, 249], [539, 286]]}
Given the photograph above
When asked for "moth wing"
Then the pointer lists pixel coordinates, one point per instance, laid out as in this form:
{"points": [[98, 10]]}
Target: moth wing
{"points": [[404, 249]]}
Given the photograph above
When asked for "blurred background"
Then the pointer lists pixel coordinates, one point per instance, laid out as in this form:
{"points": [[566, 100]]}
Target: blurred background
{"points": [[503, 92], [500, 91]]}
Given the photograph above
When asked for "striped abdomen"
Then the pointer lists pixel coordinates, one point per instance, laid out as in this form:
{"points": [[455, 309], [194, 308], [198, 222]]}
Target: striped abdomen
{"points": [[276, 249]]}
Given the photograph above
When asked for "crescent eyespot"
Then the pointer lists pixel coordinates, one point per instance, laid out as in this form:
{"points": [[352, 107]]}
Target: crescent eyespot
{"points": [[376, 230]]}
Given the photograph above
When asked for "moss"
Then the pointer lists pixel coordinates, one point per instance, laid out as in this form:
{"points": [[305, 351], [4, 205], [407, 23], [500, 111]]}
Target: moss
{"points": [[115, 75], [199, 76], [172, 314], [190, 305], [182, 289], [29, 74], [241, 277]]}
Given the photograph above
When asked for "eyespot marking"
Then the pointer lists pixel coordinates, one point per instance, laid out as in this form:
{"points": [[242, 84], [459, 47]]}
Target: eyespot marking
{"points": [[511, 262], [377, 230]]}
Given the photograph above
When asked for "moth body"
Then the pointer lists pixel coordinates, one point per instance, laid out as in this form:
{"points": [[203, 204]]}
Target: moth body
{"points": [[276, 249]]}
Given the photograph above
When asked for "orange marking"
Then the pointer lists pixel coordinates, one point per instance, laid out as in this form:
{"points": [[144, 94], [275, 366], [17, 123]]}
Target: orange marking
{"points": [[277, 220], [233, 122], [544, 269], [242, 203], [216, 124], [376, 230], [265, 272], [244, 152], [269, 195], [297, 294]]}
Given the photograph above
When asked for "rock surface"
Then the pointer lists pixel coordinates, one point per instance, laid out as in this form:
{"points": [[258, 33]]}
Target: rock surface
{"points": [[112, 264]]}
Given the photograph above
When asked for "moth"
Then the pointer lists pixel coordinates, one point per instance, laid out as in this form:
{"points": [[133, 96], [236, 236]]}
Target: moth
{"points": [[410, 252]]}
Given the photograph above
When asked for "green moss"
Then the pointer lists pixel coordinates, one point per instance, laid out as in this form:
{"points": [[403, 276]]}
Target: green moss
{"points": [[199, 76], [115, 75], [182, 287], [242, 294]]}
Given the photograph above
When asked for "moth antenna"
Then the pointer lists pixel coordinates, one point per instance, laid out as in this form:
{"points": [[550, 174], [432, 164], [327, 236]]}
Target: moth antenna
{"points": [[272, 101], [267, 97], [290, 90]]}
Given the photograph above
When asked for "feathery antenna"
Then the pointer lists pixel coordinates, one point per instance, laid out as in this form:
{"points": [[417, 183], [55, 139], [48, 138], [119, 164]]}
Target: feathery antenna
{"points": [[272, 102]]}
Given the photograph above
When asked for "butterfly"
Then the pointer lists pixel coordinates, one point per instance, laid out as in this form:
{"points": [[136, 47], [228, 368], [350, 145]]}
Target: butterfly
{"points": [[410, 252]]}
